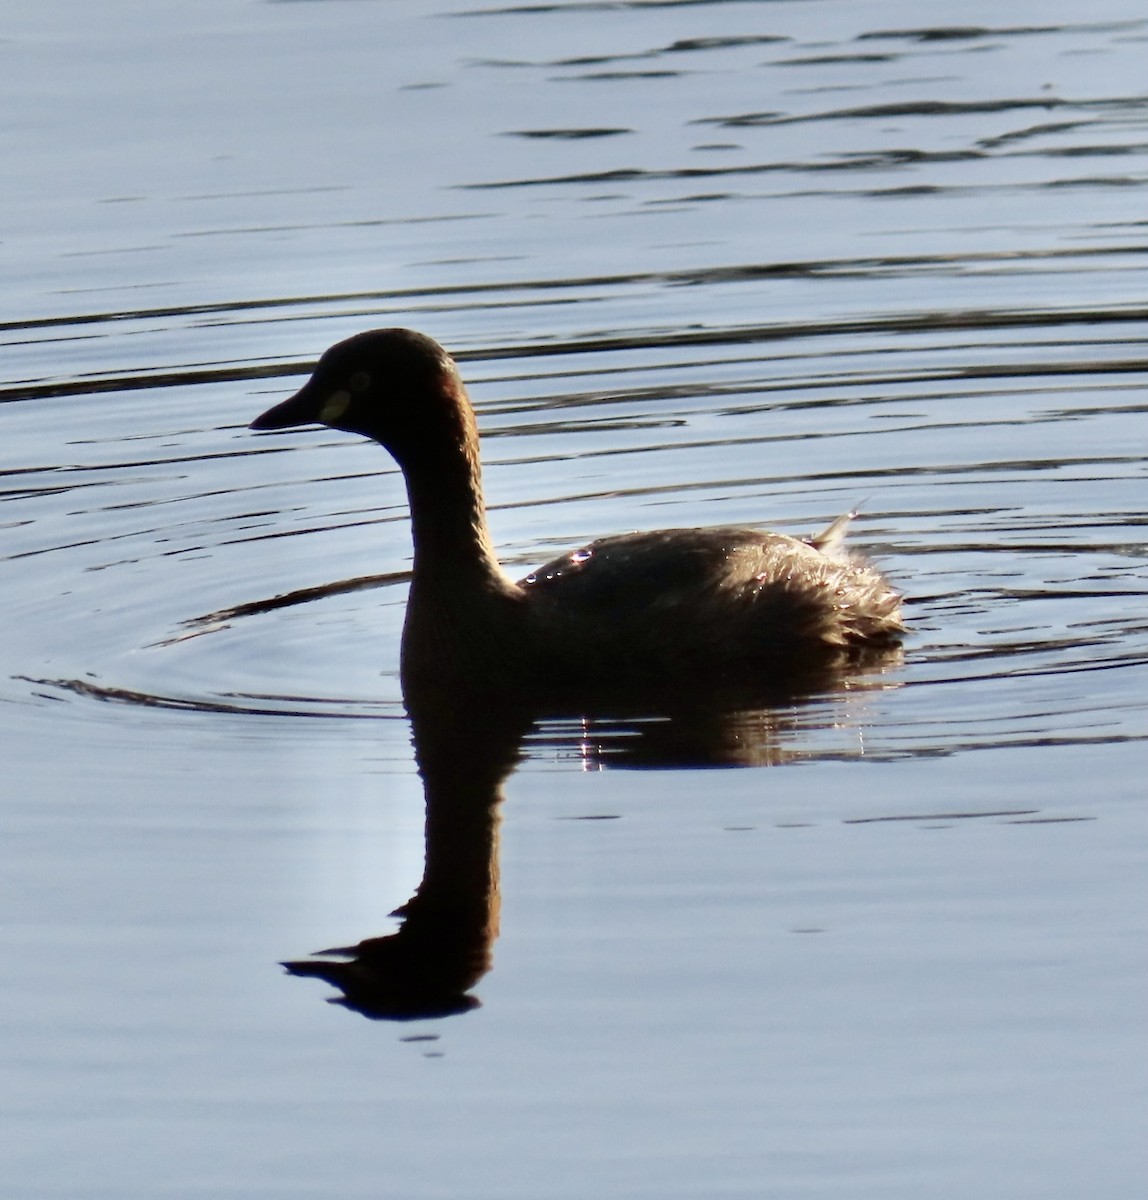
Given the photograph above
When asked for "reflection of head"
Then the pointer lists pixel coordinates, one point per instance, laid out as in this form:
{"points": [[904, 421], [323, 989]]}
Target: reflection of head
{"points": [[408, 976]]}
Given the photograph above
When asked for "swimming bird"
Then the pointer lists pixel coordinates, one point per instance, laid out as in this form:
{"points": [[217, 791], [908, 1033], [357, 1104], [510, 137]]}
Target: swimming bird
{"points": [[673, 608]]}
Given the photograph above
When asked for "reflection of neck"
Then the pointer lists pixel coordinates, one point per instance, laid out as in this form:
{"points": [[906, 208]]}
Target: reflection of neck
{"points": [[463, 757], [444, 945], [454, 913]]}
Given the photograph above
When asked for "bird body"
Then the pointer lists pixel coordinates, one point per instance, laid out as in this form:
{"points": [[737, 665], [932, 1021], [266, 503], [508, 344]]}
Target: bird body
{"points": [[658, 608]]}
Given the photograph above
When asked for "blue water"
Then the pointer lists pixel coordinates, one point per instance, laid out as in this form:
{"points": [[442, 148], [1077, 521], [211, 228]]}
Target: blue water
{"points": [[701, 263]]}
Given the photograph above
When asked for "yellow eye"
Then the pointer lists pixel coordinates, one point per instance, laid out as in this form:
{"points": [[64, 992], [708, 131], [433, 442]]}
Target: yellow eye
{"points": [[360, 381], [335, 406]]}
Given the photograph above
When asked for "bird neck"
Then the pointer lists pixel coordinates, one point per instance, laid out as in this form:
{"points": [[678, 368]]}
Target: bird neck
{"points": [[463, 622], [449, 530]]}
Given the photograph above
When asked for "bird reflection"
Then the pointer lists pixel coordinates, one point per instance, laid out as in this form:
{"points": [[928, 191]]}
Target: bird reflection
{"points": [[468, 745], [443, 947]]}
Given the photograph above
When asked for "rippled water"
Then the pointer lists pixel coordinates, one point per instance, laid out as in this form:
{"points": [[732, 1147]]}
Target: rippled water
{"points": [[701, 263]]}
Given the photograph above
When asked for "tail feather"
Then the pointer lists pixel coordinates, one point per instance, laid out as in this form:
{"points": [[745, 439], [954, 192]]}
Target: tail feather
{"points": [[831, 540]]}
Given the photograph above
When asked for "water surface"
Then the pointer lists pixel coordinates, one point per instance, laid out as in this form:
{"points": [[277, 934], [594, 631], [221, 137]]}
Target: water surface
{"points": [[708, 263]]}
